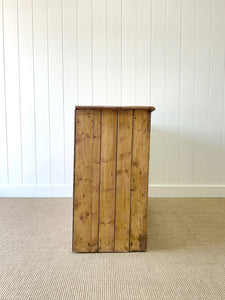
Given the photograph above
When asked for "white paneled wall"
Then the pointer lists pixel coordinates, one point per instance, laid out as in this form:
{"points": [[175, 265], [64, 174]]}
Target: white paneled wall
{"points": [[55, 54]]}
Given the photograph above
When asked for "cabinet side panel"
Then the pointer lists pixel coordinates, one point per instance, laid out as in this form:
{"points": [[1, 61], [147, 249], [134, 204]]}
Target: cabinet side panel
{"points": [[107, 180], [96, 180], [122, 218], [83, 180], [139, 188]]}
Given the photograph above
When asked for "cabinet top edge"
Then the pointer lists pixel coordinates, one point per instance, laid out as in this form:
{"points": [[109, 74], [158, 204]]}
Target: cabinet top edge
{"points": [[150, 108]]}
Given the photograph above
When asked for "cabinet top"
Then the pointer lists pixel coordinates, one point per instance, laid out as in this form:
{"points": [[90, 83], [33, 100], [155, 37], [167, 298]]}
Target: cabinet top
{"points": [[151, 108]]}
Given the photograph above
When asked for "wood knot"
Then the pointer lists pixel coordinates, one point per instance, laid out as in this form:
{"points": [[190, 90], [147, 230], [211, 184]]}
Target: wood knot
{"points": [[84, 216]]}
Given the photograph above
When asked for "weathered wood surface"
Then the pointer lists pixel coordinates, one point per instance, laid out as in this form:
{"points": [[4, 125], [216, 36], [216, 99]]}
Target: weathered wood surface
{"points": [[83, 181], [107, 180], [150, 108], [111, 179], [124, 143], [139, 188], [96, 180]]}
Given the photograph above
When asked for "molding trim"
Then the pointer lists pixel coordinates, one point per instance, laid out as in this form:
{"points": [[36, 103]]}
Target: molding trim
{"points": [[186, 191], [35, 191], [47, 191]]}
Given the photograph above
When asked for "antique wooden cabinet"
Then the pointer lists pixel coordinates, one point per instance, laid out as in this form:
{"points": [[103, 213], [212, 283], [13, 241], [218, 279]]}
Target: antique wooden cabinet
{"points": [[111, 166]]}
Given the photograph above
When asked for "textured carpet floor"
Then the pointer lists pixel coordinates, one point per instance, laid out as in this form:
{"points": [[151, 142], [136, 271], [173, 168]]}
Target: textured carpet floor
{"points": [[185, 257]]}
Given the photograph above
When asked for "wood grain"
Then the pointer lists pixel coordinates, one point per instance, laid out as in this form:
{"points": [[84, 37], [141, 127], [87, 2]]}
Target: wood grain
{"points": [[83, 181], [111, 180], [95, 180], [122, 219], [107, 183], [139, 188]]}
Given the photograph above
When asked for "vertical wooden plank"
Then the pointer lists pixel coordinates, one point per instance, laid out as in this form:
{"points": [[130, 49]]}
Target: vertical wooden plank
{"points": [[83, 181], [187, 84], [99, 51], [139, 181], [114, 52], [41, 91], [3, 127], [12, 90], [201, 105], [28, 132], [158, 50], [107, 180], [216, 94], [70, 81], [129, 16], [56, 94], [123, 180], [172, 91], [143, 52], [84, 46], [96, 180]]}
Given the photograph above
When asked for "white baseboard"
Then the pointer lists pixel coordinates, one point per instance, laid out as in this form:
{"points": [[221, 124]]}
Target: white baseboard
{"points": [[39, 191], [154, 191], [186, 191]]}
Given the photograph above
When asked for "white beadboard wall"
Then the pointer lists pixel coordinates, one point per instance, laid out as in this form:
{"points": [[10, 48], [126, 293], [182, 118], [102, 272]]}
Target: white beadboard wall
{"points": [[55, 54]]}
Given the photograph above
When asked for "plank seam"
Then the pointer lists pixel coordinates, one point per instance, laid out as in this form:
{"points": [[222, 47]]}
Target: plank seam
{"points": [[106, 51], [121, 53], [49, 106], [100, 163], [6, 118], [19, 90], [179, 91], [91, 235], [34, 89], [135, 60], [150, 56], [164, 89], [194, 98], [115, 178], [63, 91], [209, 86], [77, 54], [131, 159], [92, 77]]}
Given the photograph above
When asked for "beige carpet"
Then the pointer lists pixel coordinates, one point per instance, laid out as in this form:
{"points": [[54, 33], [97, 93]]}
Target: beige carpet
{"points": [[185, 257]]}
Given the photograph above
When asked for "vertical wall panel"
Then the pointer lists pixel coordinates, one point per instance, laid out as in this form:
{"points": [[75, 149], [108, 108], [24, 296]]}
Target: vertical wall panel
{"points": [[41, 91], [158, 51], [201, 105], [216, 92], [3, 128], [57, 54], [28, 134], [129, 34], [56, 92], [114, 52], [172, 90], [69, 81], [143, 52], [12, 91], [99, 51], [187, 84], [84, 47]]}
